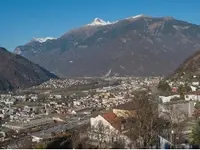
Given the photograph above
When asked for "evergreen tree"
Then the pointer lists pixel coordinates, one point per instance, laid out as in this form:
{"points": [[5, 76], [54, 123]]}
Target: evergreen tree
{"points": [[164, 86], [196, 133], [183, 89]]}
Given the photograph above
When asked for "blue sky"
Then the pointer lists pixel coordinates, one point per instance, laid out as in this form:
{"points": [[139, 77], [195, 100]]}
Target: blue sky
{"points": [[21, 20]]}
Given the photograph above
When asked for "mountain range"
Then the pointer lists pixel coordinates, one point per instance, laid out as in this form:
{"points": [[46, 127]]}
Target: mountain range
{"points": [[135, 46], [18, 72]]}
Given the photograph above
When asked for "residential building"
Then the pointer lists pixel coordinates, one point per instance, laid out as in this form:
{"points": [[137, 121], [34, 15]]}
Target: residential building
{"points": [[193, 88], [195, 83], [28, 124], [107, 128], [194, 96], [125, 110], [49, 133]]}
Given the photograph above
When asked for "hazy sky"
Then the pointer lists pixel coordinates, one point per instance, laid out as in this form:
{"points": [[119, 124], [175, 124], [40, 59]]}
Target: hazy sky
{"points": [[21, 20]]}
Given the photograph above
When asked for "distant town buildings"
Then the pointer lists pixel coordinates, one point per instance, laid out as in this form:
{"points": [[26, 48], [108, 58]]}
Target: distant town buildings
{"points": [[37, 111]]}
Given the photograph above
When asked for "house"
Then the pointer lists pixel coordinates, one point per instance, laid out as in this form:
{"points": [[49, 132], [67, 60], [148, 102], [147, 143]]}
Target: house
{"points": [[174, 89], [195, 83], [53, 103], [194, 95], [193, 88], [20, 97], [29, 109], [5, 95], [76, 103], [177, 108], [60, 118], [58, 96], [125, 110], [34, 97], [107, 128], [84, 111], [165, 99]]}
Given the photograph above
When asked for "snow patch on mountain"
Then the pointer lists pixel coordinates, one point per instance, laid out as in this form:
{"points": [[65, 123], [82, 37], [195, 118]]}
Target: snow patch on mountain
{"points": [[180, 27], [17, 51], [137, 16], [42, 40]]}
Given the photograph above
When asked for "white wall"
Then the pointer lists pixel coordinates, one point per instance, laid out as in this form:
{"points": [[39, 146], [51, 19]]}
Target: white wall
{"points": [[167, 98], [192, 97], [36, 139], [193, 88], [195, 83], [111, 131], [94, 123]]}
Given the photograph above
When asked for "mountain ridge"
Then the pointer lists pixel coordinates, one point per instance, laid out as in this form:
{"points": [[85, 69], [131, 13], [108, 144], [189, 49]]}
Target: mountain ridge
{"points": [[138, 46], [18, 72]]}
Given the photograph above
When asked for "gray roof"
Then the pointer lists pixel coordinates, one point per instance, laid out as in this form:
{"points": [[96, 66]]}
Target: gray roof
{"points": [[47, 133]]}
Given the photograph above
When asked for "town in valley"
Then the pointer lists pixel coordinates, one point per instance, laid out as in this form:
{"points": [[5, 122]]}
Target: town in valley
{"points": [[72, 107], [99, 74]]}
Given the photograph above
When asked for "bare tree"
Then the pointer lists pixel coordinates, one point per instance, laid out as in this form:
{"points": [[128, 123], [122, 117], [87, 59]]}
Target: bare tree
{"points": [[76, 138], [117, 141], [144, 125], [174, 114], [99, 133], [177, 121], [107, 138]]}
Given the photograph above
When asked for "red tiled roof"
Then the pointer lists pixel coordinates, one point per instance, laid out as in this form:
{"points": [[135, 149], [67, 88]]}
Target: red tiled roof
{"points": [[196, 113], [113, 120], [193, 93], [110, 116]]}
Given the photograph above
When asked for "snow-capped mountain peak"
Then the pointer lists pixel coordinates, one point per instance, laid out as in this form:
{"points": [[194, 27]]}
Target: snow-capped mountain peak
{"points": [[99, 22], [42, 40]]}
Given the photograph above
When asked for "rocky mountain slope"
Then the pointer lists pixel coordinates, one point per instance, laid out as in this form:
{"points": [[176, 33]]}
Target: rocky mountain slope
{"points": [[189, 70], [135, 46], [18, 72]]}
